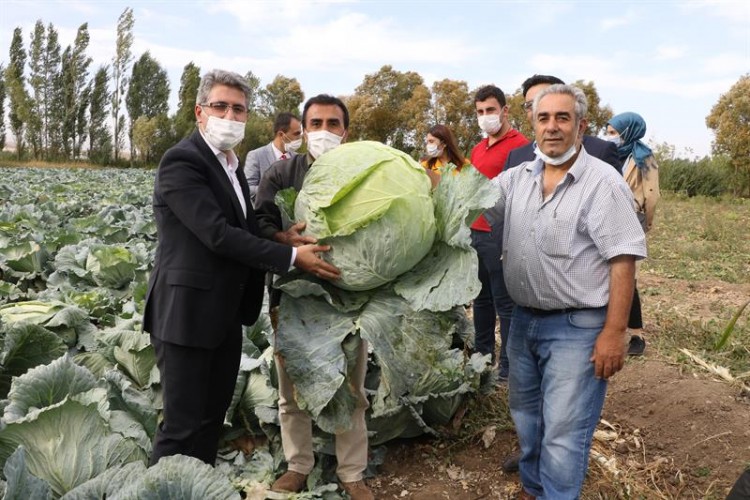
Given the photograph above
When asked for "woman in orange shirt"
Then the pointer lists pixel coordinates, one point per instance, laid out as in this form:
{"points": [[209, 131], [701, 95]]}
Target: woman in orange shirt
{"points": [[440, 150]]}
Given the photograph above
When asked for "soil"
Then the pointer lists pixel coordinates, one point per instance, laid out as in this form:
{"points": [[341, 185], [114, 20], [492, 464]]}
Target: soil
{"points": [[669, 430]]}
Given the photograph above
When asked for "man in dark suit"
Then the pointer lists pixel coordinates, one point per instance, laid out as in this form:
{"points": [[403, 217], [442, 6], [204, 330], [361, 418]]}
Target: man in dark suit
{"points": [[604, 150], [599, 148], [208, 272], [287, 139]]}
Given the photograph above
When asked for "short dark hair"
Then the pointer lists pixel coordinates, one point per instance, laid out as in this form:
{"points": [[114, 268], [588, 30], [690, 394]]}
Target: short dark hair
{"points": [[488, 91], [535, 80], [283, 121], [326, 100]]}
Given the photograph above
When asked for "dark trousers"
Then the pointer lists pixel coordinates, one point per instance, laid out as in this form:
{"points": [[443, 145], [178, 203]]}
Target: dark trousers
{"points": [[493, 300], [197, 386], [635, 320]]}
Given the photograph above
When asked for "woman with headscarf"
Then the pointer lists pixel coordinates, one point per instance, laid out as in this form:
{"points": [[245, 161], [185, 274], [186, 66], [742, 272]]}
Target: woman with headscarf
{"points": [[641, 172]]}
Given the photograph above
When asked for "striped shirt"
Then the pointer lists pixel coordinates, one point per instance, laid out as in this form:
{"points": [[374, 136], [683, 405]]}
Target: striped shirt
{"points": [[557, 250]]}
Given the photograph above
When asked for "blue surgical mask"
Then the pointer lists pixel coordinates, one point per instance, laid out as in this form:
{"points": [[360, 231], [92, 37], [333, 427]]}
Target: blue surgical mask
{"points": [[614, 138]]}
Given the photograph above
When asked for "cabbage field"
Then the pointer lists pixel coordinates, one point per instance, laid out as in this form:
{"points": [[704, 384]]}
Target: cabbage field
{"points": [[79, 386]]}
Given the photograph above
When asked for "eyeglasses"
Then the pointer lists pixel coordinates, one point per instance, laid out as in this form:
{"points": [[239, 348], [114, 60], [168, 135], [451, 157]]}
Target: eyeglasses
{"points": [[223, 108], [527, 105]]}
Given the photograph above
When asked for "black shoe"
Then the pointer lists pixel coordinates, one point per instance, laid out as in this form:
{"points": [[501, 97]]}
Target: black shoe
{"points": [[511, 462], [636, 346]]}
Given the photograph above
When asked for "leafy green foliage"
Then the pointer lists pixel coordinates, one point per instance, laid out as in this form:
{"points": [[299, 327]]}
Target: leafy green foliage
{"points": [[730, 120], [705, 177]]}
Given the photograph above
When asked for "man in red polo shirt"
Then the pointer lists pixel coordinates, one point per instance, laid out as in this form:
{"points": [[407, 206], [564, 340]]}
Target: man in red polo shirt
{"points": [[489, 157]]}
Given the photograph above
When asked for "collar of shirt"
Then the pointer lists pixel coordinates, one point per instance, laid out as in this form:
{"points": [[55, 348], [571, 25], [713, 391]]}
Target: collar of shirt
{"points": [[277, 152], [230, 164], [510, 134]]}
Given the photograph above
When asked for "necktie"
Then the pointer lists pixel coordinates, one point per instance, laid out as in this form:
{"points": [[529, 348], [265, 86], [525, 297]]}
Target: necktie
{"points": [[283, 156]]}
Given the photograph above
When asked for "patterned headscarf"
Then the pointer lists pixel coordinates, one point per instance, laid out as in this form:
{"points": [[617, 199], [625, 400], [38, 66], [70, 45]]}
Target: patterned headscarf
{"points": [[631, 128]]}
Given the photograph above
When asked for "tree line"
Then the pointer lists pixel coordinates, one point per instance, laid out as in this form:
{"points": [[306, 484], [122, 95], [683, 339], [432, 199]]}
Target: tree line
{"points": [[59, 108]]}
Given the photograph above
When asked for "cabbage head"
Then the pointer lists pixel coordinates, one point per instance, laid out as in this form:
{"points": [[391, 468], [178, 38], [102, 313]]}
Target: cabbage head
{"points": [[378, 228]]}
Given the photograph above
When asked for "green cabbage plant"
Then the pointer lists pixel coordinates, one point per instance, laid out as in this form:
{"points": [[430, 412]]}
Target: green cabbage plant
{"points": [[407, 270]]}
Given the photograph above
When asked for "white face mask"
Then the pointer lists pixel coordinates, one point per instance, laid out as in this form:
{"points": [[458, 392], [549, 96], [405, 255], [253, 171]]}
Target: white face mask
{"points": [[322, 141], [432, 150], [224, 134], [614, 138], [490, 124], [558, 160], [293, 146]]}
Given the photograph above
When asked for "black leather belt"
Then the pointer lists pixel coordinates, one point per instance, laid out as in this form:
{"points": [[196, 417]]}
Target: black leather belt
{"points": [[550, 312]]}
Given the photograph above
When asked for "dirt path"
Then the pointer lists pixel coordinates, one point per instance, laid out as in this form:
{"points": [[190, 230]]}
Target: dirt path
{"points": [[674, 433]]}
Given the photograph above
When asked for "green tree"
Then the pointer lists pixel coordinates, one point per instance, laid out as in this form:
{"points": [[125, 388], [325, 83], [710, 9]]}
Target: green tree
{"points": [[152, 136], [120, 64], [75, 72], [281, 95], [54, 106], [184, 118], [259, 125], [35, 132], [254, 97], [2, 107], [15, 83], [730, 121], [598, 115], [391, 107], [100, 146], [453, 105], [148, 92]]}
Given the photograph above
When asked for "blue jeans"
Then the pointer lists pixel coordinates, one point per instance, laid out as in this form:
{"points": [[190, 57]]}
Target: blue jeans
{"points": [[493, 300], [554, 398]]}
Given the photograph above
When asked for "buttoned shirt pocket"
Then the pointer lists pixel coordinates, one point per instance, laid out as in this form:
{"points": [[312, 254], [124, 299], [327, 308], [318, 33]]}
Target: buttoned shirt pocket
{"points": [[191, 279], [557, 240]]}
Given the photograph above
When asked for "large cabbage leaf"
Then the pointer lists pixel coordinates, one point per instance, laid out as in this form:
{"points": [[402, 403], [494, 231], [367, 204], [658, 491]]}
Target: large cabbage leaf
{"points": [[22, 485], [309, 341], [372, 203], [46, 385], [67, 444], [26, 346], [179, 476]]}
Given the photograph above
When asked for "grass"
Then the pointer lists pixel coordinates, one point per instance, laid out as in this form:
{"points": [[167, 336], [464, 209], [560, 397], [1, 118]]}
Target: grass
{"points": [[701, 239]]}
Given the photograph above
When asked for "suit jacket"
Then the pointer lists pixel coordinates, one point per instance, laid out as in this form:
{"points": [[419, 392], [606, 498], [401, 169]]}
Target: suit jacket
{"points": [[283, 174], [210, 262], [256, 163], [604, 150]]}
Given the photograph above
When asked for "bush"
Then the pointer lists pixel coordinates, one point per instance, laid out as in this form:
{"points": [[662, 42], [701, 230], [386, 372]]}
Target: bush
{"points": [[709, 176]]}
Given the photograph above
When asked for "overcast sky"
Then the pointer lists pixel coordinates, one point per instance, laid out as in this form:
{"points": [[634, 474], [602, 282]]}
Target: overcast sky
{"points": [[669, 61]]}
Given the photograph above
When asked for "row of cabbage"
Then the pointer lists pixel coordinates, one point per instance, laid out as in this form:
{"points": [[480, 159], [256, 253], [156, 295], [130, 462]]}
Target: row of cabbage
{"points": [[78, 382]]}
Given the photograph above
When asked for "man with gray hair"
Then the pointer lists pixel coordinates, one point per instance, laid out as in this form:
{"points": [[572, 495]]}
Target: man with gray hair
{"points": [[209, 270], [569, 266]]}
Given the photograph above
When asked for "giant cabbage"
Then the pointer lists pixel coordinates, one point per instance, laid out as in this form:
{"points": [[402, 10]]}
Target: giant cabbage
{"points": [[372, 203], [407, 270]]}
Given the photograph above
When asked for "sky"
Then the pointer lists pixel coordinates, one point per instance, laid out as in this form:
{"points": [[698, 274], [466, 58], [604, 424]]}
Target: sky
{"points": [[669, 61]]}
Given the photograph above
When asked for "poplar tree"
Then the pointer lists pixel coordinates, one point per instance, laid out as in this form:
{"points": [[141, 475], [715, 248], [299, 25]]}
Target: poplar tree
{"points": [[54, 112], [37, 79], [75, 66], [120, 65], [184, 118], [100, 146], [15, 84], [2, 107], [148, 93]]}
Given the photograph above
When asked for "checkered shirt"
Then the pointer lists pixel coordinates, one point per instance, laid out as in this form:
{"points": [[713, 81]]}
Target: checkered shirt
{"points": [[556, 251]]}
